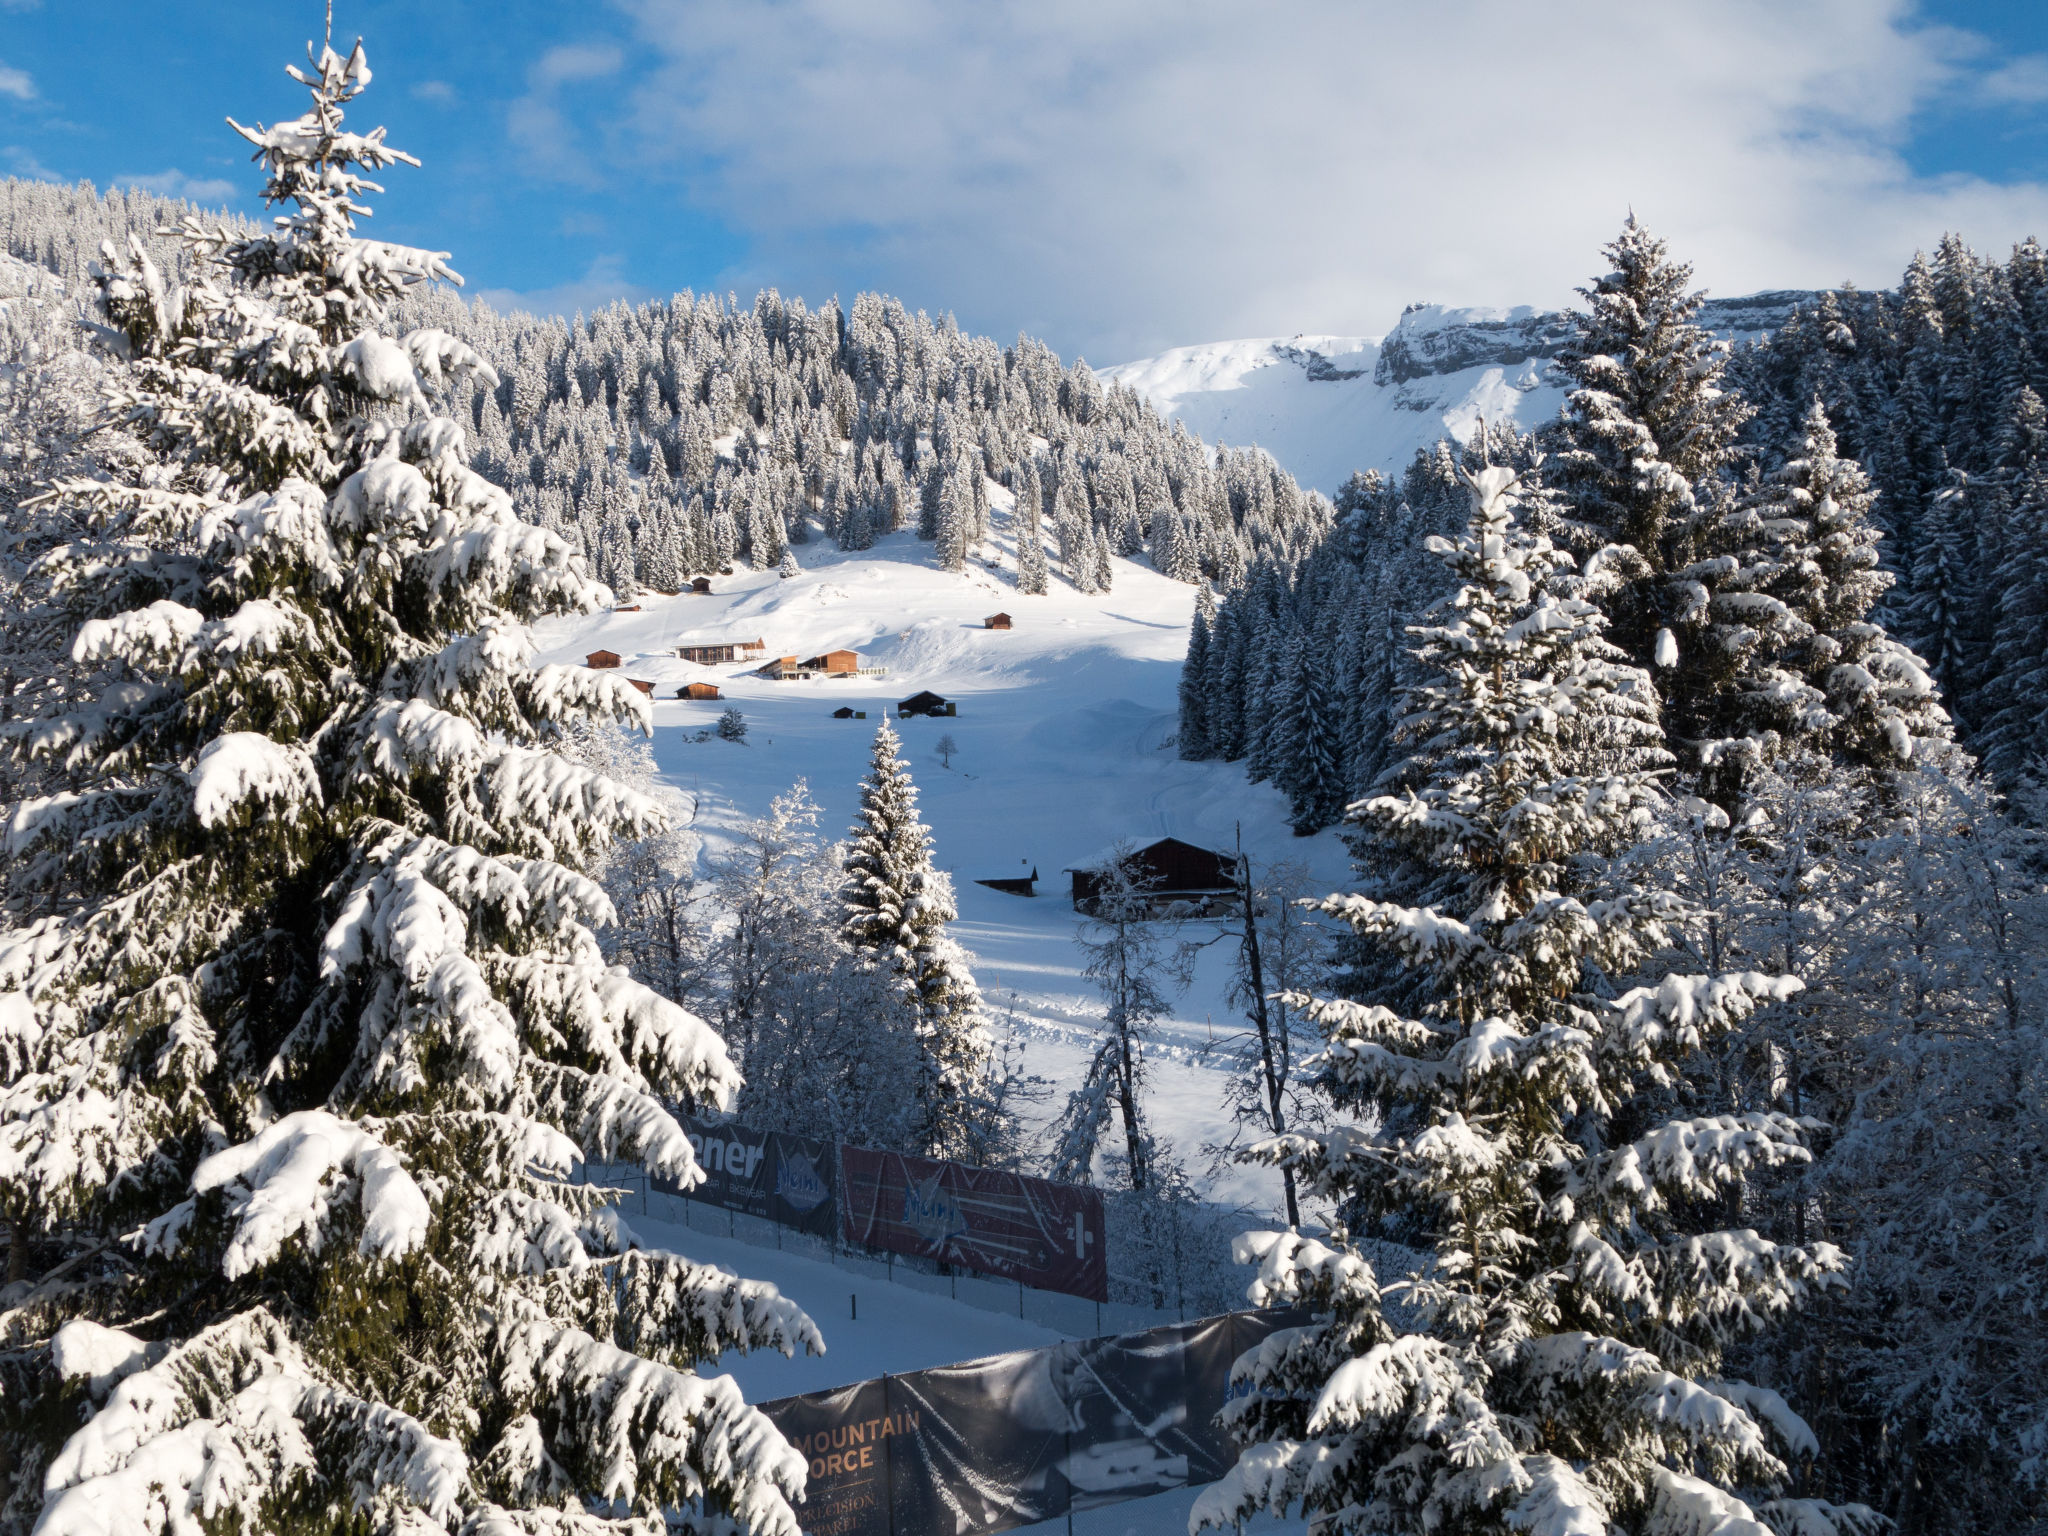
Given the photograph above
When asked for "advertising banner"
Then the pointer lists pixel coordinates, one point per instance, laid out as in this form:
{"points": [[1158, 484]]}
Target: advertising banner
{"points": [[783, 1178], [845, 1436], [972, 1449], [1005, 1224]]}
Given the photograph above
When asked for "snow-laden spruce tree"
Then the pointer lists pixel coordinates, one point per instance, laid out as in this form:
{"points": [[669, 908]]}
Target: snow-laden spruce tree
{"points": [[1644, 449], [897, 909], [304, 1024], [1559, 1372]]}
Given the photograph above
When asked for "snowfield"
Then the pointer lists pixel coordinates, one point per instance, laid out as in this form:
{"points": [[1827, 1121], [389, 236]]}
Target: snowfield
{"points": [[1326, 406], [1066, 736], [1317, 405]]}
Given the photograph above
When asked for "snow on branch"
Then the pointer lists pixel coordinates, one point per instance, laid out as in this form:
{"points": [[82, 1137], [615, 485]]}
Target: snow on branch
{"points": [[1699, 1158], [1294, 1270], [227, 1421], [689, 1312], [138, 637], [647, 1431], [279, 1189], [1680, 1012], [245, 766]]}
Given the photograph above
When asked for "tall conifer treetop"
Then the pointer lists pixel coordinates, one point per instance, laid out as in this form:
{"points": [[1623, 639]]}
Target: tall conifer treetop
{"points": [[1646, 434], [307, 1022], [897, 908], [1563, 1377]]}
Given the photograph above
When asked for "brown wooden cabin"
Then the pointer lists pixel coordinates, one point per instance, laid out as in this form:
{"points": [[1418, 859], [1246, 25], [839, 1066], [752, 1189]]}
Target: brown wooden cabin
{"points": [[1170, 873], [701, 584], [601, 659], [848, 712], [643, 685], [698, 691], [1014, 885], [833, 663], [627, 608], [925, 703], [996, 621]]}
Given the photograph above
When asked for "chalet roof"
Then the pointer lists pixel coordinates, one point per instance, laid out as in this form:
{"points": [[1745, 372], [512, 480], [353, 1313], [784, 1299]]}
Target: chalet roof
{"points": [[1102, 860], [925, 696]]}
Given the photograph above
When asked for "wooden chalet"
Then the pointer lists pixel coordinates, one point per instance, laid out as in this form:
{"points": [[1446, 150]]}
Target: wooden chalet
{"points": [[711, 652], [643, 685], [698, 691], [627, 608], [924, 703], [1014, 885], [601, 659], [1171, 874], [996, 621], [701, 585], [825, 664], [848, 712]]}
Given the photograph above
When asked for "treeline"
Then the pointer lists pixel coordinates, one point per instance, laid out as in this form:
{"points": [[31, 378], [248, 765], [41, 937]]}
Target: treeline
{"points": [[1699, 588], [682, 436], [1935, 388]]}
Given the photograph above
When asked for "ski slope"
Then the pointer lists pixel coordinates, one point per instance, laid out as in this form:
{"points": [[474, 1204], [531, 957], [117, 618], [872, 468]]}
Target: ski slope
{"points": [[1065, 729]]}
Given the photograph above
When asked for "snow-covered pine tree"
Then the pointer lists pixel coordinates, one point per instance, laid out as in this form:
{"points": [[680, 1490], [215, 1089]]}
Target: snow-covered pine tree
{"points": [[1032, 576], [897, 908], [1193, 735], [1644, 444], [1310, 772], [310, 1024], [950, 528], [1882, 708], [1562, 1378]]}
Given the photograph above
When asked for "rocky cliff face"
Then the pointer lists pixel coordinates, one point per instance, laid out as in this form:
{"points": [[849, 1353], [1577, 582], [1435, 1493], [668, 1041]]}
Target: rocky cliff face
{"points": [[1431, 339]]}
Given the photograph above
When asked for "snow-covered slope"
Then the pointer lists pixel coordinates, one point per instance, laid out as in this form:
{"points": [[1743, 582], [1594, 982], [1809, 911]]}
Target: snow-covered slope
{"points": [[1065, 729], [1325, 406]]}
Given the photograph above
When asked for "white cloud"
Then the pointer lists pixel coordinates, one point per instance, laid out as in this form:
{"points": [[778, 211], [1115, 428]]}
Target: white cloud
{"points": [[23, 162], [536, 121], [16, 83], [601, 283], [1122, 176], [438, 91], [2024, 79], [207, 192]]}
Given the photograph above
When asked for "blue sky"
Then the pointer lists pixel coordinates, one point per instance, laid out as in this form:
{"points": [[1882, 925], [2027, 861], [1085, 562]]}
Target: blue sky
{"points": [[1115, 177]]}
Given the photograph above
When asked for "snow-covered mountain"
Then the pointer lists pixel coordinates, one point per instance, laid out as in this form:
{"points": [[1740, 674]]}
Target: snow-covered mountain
{"points": [[1325, 406]]}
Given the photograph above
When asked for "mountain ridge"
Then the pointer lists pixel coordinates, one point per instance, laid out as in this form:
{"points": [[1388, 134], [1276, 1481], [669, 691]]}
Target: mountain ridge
{"points": [[1327, 405]]}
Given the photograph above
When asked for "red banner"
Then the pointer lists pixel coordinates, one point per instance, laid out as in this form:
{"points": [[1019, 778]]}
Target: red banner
{"points": [[1031, 1230]]}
